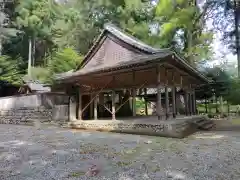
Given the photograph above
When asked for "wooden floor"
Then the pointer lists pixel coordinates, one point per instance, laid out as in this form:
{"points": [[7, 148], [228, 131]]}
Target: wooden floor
{"points": [[145, 120], [145, 125]]}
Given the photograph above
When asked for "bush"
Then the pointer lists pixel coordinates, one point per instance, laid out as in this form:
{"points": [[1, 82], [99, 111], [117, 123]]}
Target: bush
{"points": [[211, 115], [224, 115], [11, 69]]}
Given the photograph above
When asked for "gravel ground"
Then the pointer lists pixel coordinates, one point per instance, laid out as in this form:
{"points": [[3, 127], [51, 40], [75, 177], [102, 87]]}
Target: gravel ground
{"points": [[54, 153]]}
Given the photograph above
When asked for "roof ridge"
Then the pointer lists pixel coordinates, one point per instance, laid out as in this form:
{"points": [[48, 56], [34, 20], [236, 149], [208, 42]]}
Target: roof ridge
{"points": [[123, 36], [130, 39]]}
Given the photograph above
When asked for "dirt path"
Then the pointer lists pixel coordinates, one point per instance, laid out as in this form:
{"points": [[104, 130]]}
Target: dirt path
{"points": [[54, 153]]}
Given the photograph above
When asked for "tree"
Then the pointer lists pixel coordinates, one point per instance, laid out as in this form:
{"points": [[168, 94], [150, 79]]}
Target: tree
{"points": [[182, 26], [5, 25], [226, 19], [64, 60], [232, 36], [90, 16], [59, 62], [234, 92], [10, 70], [36, 19], [218, 89]]}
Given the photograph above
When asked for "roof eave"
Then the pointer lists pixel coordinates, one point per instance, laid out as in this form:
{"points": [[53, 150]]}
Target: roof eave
{"points": [[203, 77]]}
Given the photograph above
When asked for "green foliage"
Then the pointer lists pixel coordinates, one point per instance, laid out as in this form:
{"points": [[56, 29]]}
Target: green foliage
{"points": [[61, 61], [10, 70], [40, 73], [35, 17], [221, 82], [234, 92], [64, 60], [55, 27], [182, 26], [227, 11]]}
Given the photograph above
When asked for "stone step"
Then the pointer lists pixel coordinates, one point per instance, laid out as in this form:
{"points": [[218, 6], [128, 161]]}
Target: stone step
{"points": [[204, 124], [209, 126]]}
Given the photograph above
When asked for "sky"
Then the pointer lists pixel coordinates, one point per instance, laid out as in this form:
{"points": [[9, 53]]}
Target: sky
{"points": [[221, 52]]}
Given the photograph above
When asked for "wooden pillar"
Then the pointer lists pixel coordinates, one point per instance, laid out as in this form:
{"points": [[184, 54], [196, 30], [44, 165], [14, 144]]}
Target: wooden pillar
{"points": [[166, 102], [174, 102], [146, 105], [72, 109], [95, 108], [101, 103], [113, 106], [134, 91], [190, 103], [159, 98], [194, 103], [91, 106], [186, 100], [80, 106]]}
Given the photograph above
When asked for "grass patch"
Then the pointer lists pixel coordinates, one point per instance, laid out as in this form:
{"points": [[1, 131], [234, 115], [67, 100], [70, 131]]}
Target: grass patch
{"points": [[212, 108], [123, 164], [235, 121], [76, 174]]}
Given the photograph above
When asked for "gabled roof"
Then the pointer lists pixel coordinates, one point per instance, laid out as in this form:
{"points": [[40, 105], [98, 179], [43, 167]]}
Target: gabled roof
{"points": [[115, 49], [129, 39], [35, 85], [114, 31]]}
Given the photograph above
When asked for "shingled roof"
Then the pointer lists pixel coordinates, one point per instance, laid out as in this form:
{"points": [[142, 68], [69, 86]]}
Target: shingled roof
{"points": [[114, 49], [35, 85]]}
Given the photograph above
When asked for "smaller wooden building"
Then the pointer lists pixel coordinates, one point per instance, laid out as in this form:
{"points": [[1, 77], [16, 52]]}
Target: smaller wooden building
{"points": [[119, 67]]}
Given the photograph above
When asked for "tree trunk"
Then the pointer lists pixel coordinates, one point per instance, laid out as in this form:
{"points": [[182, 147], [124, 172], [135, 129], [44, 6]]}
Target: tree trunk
{"points": [[29, 56], [236, 18], [0, 46], [189, 46]]}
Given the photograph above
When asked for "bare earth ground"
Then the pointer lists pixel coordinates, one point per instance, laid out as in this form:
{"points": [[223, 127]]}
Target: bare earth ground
{"points": [[54, 153]]}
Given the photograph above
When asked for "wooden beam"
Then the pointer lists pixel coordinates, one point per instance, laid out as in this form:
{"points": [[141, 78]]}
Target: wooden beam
{"points": [[194, 103], [95, 109], [72, 109], [186, 100], [134, 101], [166, 102], [166, 94], [101, 103], [190, 103], [113, 106], [182, 72], [159, 98], [91, 105], [174, 101], [80, 106], [146, 105]]}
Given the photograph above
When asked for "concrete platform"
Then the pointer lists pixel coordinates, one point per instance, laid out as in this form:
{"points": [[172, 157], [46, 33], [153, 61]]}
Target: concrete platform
{"points": [[146, 125]]}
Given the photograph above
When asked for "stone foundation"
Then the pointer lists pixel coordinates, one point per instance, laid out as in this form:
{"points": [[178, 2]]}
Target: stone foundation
{"points": [[173, 128], [26, 116]]}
